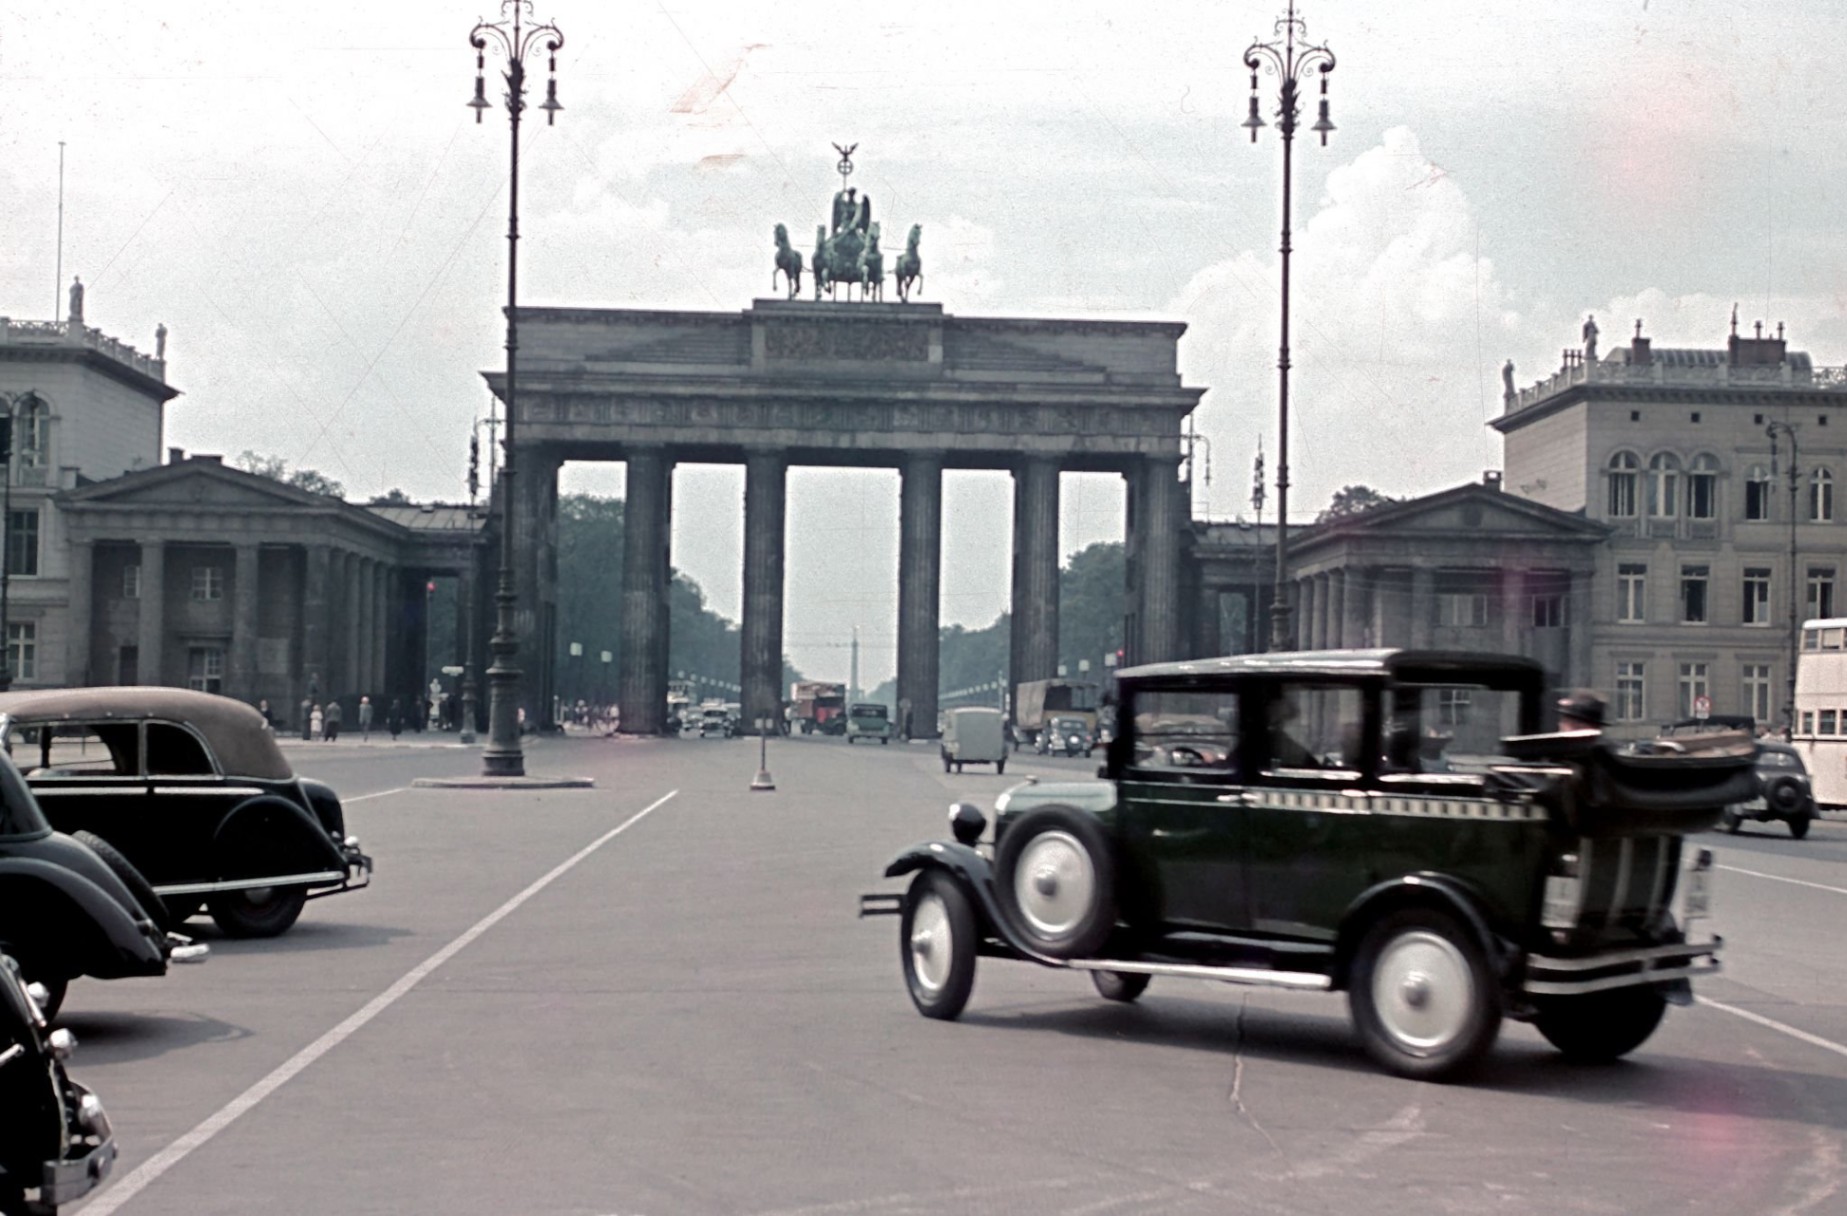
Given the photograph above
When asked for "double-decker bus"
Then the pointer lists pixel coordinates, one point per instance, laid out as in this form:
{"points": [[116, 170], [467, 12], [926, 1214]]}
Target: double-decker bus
{"points": [[1820, 733]]}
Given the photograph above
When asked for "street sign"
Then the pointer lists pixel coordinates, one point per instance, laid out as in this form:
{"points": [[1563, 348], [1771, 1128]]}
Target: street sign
{"points": [[452, 671], [1702, 707]]}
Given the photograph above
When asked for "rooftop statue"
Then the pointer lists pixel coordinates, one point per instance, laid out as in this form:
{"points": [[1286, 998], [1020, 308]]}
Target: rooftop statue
{"points": [[846, 249]]}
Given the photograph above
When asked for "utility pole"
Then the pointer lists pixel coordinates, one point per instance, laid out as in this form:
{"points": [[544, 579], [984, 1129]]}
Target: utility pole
{"points": [[1795, 618], [853, 671]]}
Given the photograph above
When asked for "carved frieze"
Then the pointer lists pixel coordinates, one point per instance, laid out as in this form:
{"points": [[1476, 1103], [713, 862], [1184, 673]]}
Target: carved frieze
{"points": [[837, 340]]}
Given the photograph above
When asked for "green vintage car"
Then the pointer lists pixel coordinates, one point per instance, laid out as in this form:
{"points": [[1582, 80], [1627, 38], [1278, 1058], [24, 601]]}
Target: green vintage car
{"points": [[868, 721], [1401, 826]]}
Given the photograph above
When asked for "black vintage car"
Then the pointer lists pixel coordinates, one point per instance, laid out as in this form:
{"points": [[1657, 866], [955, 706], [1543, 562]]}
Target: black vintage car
{"points": [[192, 792], [1397, 825], [1783, 791], [56, 1144]]}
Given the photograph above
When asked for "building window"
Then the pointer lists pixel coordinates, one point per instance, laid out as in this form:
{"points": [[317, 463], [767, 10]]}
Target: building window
{"points": [[22, 543], [1820, 592], [32, 432], [1693, 685], [1757, 492], [1632, 592], [1824, 722], [1693, 580], [208, 582], [131, 582], [1808, 721], [1757, 690], [1631, 695], [1821, 496], [205, 668], [1757, 595], [1623, 476], [1703, 486], [1663, 485], [1453, 706], [1549, 610], [1462, 609], [22, 649]]}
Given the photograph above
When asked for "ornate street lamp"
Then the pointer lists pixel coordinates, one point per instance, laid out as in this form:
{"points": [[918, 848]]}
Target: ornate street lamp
{"points": [[1288, 60], [502, 757]]}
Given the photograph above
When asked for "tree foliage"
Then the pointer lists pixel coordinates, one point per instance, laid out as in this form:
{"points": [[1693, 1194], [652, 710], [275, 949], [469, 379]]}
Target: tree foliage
{"points": [[1353, 500], [277, 469]]}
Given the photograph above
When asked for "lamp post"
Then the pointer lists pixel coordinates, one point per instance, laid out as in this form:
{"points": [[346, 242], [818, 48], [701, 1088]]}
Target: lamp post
{"points": [[1288, 60], [1795, 621], [502, 757]]}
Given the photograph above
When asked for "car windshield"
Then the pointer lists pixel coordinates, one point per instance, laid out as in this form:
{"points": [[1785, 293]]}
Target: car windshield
{"points": [[1074, 725], [868, 711], [1448, 728], [1775, 759]]}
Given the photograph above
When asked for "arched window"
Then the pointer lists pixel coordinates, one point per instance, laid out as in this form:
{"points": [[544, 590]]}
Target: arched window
{"points": [[1757, 492], [1623, 475], [1663, 485], [1703, 487], [32, 431], [1821, 496]]}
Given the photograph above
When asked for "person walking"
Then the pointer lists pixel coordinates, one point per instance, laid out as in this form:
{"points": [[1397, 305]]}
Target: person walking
{"points": [[333, 720], [365, 719], [394, 718], [269, 720], [312, 729]]}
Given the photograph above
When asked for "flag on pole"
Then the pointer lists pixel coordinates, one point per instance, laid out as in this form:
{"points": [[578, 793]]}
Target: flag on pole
{"points": [[1257, 489]]}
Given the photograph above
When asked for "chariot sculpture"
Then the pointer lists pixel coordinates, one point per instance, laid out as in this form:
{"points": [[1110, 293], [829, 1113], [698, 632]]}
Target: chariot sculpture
{"points": [[846, 249]]}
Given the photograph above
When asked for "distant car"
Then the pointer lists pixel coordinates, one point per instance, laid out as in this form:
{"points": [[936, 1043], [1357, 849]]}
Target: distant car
{"points": [[715, 722], [868, 721], [974, 735], [1065, 737], [1783, 791], [191, 791]]}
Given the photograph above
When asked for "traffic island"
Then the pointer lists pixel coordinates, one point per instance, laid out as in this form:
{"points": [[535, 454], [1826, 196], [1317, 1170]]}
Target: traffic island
{"points": [[483, 782]]}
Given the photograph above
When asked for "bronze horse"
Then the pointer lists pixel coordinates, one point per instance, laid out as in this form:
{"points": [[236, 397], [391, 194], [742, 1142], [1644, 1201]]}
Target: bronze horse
{"points": [[910, 264], [788, 263]]}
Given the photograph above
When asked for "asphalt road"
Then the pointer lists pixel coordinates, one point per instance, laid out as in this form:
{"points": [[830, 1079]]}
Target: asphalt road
{"points": [[547, 1005]]}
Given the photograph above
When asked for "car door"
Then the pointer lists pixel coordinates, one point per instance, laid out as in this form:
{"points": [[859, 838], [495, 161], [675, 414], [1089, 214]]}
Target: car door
{"points": [[190, 799], [1182, 807], [87, 777]]}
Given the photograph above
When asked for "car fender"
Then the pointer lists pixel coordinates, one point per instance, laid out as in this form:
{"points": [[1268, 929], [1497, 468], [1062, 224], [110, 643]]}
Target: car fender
{"points": [[976, 876], [1420, 891], [269, 834], [326, 805], [62, 921]]}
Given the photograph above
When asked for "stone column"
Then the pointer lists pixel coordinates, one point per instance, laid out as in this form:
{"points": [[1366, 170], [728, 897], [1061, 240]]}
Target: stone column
{"points": [[350, 627], [661, 550], [153, 629], [1515, 624], [367, 628], [241, 678], [920, 553], [1035, 573], [316, 654], [534, 577], [1330, 610], [1308, 589], [1208, 639], [642, 691], [381, 617], [1355, 609], [765, 492], [78, 646], [1423, 605], [1579, 671], [1160, 566]]}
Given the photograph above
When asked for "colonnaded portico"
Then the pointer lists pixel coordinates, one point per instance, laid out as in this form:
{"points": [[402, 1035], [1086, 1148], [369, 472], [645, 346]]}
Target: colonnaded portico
{"points": [[905, 386]]}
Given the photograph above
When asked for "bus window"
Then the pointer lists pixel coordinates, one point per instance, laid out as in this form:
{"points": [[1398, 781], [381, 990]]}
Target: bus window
{"points": [[1831, 639], [1826, 725], [1811, 639]]}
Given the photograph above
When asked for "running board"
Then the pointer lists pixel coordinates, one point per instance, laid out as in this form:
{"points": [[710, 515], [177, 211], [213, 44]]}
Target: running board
{"points": [[1301, 981]]}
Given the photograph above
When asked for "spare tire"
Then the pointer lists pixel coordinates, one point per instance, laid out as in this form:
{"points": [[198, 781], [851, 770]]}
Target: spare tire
{"points": [[124, 869], [1055, 875], [1784, 796]]}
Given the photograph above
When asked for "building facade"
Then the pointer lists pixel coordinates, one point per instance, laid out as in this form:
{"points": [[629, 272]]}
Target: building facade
{"points": [[1717, 473]]}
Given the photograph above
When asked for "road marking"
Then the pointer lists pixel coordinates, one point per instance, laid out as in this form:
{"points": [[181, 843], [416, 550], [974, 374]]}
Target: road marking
{"points": [[380, 794], [1813, 1040], [1794, 882], [150, 1170]]}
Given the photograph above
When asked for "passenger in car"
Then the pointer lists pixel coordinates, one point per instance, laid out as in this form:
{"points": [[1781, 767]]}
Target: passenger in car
{"points": [[1285, 751]]}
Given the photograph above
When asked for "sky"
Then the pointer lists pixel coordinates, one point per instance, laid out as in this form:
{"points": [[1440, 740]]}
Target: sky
{"points": [[300, 194]]}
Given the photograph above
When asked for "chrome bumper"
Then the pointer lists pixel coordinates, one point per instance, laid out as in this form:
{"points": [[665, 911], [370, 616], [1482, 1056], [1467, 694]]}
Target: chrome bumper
{"points": [[1546, 976], [73, 1177]]}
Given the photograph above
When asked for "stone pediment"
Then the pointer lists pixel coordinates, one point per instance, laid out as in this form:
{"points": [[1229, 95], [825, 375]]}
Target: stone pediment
{"points": [[1471, 510], [193, 483]]}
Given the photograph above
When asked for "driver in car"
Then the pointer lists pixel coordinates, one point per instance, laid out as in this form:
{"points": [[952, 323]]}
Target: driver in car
{"points": [[1285, 751]]}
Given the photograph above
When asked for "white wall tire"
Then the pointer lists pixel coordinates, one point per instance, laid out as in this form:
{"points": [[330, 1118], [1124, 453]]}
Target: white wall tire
{"points": [[937, 945], [1422, 996], [1055, 874]]}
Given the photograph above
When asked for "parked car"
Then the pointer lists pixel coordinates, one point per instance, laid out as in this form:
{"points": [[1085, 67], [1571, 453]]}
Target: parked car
{"points": [[56, 1144], [1065, 737], [868, 720], [190, 790], [974, 735], [1783, 791], [1289, 820], [65, 911]]}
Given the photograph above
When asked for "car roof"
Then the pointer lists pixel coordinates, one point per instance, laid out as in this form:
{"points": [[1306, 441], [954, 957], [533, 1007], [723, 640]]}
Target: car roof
{"points": [[236, 733], [1383, 662]]}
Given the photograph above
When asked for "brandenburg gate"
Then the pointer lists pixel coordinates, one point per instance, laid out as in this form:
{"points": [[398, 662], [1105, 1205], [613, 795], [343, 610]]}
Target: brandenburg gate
{"points": [[798, 382]]}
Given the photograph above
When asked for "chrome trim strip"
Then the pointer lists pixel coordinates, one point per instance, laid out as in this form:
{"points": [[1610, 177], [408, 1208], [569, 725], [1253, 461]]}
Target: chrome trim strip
{"points": [[250, 884], [1625, 863], [1301, 980], [1629, 979], [55, 785], [1618, 958], [240, 791]]}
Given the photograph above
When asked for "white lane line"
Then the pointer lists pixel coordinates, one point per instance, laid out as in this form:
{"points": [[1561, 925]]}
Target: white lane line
{"points": [[380, 794], [1813, 1040], [1794, 882], [150, 1170]]}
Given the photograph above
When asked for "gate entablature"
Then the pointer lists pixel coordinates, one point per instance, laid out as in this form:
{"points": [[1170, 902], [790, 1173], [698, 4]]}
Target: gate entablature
{"points": [[835, 383]]}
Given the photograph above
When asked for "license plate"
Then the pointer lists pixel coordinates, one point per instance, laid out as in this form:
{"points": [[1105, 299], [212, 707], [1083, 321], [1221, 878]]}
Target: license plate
{"points": [[1697, 900]]}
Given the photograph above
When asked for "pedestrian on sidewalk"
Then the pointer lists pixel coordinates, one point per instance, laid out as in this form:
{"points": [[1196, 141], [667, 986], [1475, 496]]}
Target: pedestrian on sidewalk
{"points": [[313, 720], [365, 719], [333, 720], [394, 718]]}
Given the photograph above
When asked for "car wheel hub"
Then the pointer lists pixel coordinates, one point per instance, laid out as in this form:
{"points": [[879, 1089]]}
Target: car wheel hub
{"points": [[1424, 991], [1057, 883], [929, 928]]}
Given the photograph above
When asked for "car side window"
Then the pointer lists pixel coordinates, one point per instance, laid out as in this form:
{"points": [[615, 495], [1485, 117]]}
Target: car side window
{"points": [[174, 751], [1312, 727], [1181, 732], [77, 750]]}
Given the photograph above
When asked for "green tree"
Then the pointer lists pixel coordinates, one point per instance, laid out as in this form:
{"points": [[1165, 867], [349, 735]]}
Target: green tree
{"points": [[1092, 602], [277, 469], [1353, 500]]}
